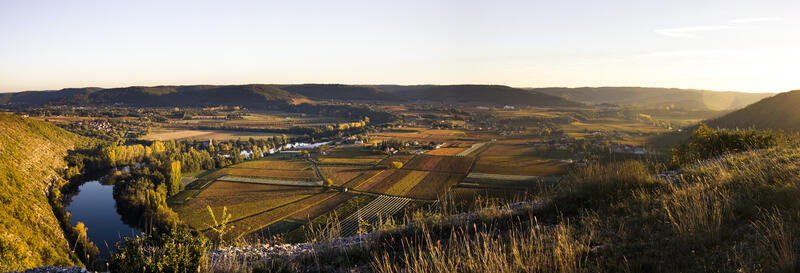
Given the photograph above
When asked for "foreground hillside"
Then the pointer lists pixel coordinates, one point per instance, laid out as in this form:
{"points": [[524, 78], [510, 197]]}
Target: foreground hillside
{"points": [[31, 152], [778, 113], [731, 214], [690, 99]]}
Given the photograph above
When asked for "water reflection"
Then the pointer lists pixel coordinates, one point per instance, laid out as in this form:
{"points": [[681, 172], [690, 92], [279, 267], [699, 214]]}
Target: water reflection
{"points": [[94, 205]]}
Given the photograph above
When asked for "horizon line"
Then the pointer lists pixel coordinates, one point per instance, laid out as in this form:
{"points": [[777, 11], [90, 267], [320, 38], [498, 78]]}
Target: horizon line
{"points": [[395, 84]]}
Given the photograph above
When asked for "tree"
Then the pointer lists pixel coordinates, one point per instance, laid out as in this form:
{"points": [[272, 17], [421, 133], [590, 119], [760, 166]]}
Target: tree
{"points": [[109, 154], [397, 164], [174, 178], [157, 147]]}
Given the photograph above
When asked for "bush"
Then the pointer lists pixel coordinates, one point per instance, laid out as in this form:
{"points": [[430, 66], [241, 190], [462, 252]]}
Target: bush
{"points": [[174, 251], [706, 143], [397, 164]]}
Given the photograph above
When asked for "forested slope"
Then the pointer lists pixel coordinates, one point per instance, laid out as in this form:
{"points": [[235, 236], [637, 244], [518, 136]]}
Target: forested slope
{"points": [[31, 152]]}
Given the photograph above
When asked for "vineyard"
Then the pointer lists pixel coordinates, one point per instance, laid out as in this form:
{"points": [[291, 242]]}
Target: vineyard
{"points": [[372, 214]]}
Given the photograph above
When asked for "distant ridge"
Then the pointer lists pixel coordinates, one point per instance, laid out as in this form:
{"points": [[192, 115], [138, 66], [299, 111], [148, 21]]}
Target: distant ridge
{"points": [[654, 97], [265, 95], [477, 94], [780, 112], [340, 92]]}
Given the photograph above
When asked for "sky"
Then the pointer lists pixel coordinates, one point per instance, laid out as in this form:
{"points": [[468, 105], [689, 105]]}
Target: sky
{"points": [[737, 45]]}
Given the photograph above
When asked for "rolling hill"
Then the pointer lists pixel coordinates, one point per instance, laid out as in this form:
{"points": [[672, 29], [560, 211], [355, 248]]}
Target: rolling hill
{"points": [[253, 95], [477, 94], [340, 92], [780, 112], [262, 95], [31, 152], [689, 99]]}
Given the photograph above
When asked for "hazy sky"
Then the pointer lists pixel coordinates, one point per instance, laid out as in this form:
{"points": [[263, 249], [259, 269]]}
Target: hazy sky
{"points": [[721, 45]]}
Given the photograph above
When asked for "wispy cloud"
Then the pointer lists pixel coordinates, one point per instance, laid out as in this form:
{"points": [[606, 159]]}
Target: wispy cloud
{"points": [[735, 24], [688, 53], [755, 20], [689, 32]]}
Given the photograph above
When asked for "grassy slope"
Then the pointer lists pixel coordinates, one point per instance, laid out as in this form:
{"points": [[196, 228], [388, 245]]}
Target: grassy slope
{"points": [[736, 214], [30, 153]]}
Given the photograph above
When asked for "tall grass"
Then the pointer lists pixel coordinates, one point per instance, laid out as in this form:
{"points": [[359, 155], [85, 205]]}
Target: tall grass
{"points": [[777, 242], [524, 248], [697, 211]]}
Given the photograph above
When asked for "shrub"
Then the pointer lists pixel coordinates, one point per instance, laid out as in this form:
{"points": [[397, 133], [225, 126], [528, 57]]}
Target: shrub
{"points": [[173, 251], [397, 164], [707, 143]]}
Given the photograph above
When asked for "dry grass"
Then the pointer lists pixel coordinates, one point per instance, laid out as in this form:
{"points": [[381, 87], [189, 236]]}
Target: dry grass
{"points": [[697, 211], [522, 249], [777, 242]]}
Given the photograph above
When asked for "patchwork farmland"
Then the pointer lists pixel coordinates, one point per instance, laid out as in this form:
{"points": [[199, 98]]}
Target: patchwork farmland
{"points": [[292, 193]]}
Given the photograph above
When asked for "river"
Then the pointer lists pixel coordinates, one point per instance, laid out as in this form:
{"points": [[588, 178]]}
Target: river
{"points": [[94, 205]]}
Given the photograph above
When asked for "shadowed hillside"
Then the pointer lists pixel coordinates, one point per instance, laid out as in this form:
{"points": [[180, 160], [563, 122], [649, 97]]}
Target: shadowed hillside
{"points": [[340, 92], [690, 99], [781, 112], [477, 94], [30, 154], [245, 95], [266, 96]]}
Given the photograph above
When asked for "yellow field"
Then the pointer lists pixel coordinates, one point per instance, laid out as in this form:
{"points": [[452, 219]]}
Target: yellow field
{"points": [[445, 151], [422, 134], [349, 161], [270, 216], [169, 134], [241, 199], [293, 165], [339, 174], [517, 159], [405, 184], [305, 174]]}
